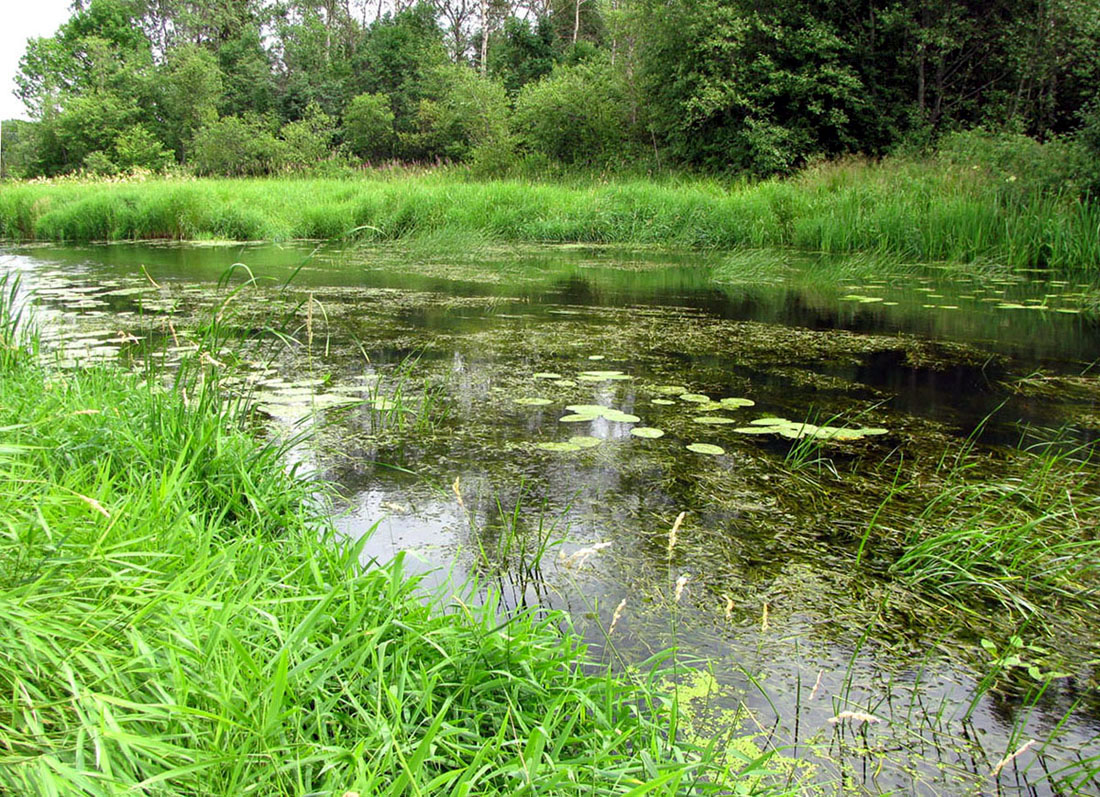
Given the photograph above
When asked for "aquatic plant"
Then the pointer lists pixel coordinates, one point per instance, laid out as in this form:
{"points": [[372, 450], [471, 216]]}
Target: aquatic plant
{"points": [[706, 448], [178, 615]]}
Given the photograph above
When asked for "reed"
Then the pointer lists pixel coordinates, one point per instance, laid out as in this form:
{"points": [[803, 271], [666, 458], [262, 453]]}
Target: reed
{"points": [[913, 209]]}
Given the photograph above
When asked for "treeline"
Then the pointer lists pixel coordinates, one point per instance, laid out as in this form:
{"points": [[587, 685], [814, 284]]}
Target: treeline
{"points": [[759, 86]]}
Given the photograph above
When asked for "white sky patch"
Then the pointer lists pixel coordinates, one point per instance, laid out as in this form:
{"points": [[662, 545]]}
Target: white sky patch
{"points": [[21, 20]]}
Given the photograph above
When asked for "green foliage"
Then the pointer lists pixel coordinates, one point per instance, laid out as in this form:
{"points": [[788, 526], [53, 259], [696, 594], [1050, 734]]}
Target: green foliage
{"points": [[399, 58], [523, 53], [579, 114], [463, 113], [93, 122], [238, 146], [757, 88], [192, 90], [21, 149], [309, 140], [368, 127], [136, 147]]}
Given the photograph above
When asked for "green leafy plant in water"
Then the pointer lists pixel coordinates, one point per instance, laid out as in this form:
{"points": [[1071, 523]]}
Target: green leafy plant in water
{"points": [[706, 448], [647, 432]]}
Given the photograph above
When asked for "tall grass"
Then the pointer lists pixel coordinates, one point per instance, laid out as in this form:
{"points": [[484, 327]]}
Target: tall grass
{"points": [[919, 209], [177, 617], [1025, 542]]}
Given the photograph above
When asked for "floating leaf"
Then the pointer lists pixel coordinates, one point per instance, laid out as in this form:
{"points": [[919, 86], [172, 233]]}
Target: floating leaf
{"points": [[584, 441], [670, 390], [531, 401], [647, 432], [577, 418], [713, 419], [602, 376], [663, 401], [595, 356], [547, 375], [734, 403], [707, 448], [616, 416], [588, 409], [557, 447], [754, 430], [565, 383], [770, 422], [697, 398]]}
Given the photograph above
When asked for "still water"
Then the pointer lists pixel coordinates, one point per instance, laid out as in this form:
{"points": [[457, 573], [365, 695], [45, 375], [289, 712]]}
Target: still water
{"points": [[480, 413]]}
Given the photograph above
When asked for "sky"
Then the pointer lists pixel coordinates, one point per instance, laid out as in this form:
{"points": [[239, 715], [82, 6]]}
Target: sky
{"points": [[21, 20]]}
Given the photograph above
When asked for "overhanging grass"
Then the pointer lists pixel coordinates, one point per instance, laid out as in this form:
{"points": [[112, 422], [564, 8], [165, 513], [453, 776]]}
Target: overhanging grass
{"points": [[177, 618], [924, 210]]}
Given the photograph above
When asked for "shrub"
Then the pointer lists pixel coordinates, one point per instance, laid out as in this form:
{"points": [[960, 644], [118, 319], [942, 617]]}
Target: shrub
{"points": [[237, 146], [579, 114], [136, 147], [368, 127]]}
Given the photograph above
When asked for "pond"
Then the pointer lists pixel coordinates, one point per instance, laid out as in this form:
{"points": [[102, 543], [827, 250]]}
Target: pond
{"points": [[732, 455]]}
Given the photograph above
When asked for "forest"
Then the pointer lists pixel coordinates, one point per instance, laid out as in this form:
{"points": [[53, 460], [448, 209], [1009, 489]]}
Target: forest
{"points": [[525, 87]]}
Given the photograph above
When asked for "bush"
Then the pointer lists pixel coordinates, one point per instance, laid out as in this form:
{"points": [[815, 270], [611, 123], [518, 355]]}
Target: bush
{"points": [[136, 147], [1019, 165], [238, 146], [466, 112], [368, 127], [580, 114], [309, 140]]}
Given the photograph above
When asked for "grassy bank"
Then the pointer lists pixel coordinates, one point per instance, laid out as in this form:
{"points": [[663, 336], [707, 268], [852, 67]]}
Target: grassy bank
{"points": [[916, 209], [177, 618]]}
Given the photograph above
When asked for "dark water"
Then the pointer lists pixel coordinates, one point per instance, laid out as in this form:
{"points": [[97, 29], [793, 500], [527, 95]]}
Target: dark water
{"points": [[793, 632]]}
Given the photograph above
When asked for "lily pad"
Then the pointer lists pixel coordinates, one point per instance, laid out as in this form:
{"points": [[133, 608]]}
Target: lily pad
{"points": [[696, 398], [577, 418], [602, 376], [595, 356], [707, 448], [547, 375], [557, 447], [670, 390], [734, 403], [796, 430], [713, 419], [648, 432], [584, 441], [754, 430], [616, 416], [532, 401], [663, 402], [588, 409]]}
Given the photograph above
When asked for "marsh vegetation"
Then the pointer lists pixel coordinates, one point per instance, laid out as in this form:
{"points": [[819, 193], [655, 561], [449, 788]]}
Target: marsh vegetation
{"points": [[911, 538]]}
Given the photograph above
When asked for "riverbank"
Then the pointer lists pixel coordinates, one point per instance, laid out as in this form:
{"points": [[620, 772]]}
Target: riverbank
{"points": [[930, 209], [179, 617]]}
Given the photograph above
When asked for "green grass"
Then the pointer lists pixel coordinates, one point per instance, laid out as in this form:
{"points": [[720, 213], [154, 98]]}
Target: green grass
{"points": [[177, 617], [914, 209], [1025, 543]]}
